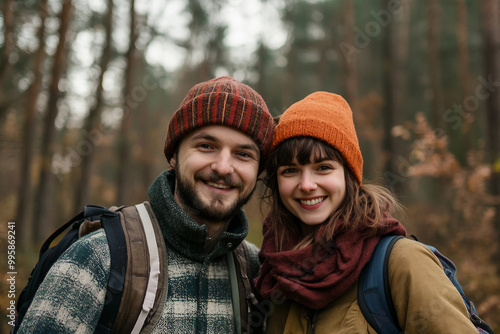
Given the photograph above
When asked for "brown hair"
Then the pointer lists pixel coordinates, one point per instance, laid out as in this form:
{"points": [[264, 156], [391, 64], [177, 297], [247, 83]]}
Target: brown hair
{"points": [[364, 206]]}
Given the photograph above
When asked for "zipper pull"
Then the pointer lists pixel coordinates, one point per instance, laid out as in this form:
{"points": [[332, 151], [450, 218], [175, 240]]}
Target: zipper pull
{"points": [[312, 316]]}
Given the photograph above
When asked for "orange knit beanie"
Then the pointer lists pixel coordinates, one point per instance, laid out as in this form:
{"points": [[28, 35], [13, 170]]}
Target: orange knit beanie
{"points": [[327, 117]]}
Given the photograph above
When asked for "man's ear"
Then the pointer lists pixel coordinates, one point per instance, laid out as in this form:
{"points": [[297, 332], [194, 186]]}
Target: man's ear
{"points": [[173, 161]]}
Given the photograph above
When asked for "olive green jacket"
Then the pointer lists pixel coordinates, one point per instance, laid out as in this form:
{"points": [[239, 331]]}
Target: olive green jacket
{"points": [[425, 301]]}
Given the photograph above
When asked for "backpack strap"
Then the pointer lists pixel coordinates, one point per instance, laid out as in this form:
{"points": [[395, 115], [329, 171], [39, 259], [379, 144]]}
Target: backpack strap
{"points": [[138, 256], [245, 297], [154, 270], [234, 291], [450, 270], [374, 292], [118, 252], [145, 288], [49, 255]]}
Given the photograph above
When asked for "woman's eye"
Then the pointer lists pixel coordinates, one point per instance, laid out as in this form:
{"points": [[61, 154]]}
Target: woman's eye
{"points": [[325, 167], [288, 171]]}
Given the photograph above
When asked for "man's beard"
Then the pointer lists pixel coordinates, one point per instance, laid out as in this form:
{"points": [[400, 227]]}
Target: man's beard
{"points": [[214, 211]]}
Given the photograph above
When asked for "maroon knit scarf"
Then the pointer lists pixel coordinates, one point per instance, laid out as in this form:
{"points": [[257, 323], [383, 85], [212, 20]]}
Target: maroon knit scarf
{"points": [[316, 275]]}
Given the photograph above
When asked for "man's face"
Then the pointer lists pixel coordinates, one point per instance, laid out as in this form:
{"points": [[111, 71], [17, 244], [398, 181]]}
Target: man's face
{"points": [[216, 170]]}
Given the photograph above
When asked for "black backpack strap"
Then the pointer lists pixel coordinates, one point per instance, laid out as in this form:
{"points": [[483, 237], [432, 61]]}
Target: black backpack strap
{"points": [[49, 255], [118, 253], [374, 293], [90, 212], [46, 258]]}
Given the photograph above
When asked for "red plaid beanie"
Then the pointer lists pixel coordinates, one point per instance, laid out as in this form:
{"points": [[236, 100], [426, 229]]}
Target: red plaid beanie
{"points": [[222, 101], [327, 117]]}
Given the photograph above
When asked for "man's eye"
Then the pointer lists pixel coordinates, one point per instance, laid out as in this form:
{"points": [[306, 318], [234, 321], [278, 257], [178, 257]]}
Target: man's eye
{"points": [[205, 146], [244, 154]]}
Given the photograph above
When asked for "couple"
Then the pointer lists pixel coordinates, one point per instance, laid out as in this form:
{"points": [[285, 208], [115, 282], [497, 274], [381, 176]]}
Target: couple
{"points": [[218, 142]]}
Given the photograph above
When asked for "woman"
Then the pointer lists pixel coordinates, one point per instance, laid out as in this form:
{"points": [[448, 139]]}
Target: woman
{"points": [[323, 226]]}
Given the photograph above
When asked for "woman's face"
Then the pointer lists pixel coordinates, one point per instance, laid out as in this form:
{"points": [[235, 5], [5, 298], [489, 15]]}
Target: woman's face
{"points": [[312, 192]]}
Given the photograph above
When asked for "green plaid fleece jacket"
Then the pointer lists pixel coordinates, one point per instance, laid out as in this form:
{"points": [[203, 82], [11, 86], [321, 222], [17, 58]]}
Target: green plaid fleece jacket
{"points": [[71, 298]]}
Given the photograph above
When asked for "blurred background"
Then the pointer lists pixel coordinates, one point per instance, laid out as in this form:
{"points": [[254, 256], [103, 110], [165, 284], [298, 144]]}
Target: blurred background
{"points": [[87, 89]]}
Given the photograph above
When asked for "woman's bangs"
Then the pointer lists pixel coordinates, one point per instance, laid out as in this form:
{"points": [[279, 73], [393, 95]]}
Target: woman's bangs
{"points": [[306, 150]]}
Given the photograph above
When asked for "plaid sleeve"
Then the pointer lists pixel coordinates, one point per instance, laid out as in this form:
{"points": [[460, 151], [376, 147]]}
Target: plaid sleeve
{"points": [[71, 298]]}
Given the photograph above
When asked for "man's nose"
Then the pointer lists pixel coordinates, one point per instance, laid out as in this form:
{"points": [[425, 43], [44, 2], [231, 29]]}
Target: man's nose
{"points": [[224, 163]]}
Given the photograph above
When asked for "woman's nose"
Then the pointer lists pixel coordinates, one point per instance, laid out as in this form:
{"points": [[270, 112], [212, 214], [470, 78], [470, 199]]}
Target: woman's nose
{"points": [[307, 182]]}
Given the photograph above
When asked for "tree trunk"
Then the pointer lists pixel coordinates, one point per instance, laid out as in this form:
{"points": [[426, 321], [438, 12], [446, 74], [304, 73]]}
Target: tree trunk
{"points": [[463, 53], [401, 36], [463, 66], [24, 194], [43, 202], [91, 132], [395, 58], [262, 67], [351, 71], [5, 65], [8, 23], [491, 54], [128, 105], [434, 24]]}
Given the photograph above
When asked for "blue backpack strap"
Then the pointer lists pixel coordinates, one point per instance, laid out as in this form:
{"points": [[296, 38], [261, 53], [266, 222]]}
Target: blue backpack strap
{"points": [[374, 293], [451, 270]]}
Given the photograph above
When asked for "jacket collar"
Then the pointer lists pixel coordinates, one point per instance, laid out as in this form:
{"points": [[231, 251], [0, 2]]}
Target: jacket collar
{"points": [[182, 233]]}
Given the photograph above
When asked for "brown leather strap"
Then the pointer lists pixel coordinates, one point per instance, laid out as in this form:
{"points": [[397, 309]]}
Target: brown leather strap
{"points": [[247, 297], [138, 266]]}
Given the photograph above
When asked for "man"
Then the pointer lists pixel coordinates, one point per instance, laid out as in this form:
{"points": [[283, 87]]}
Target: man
{"points": [[216, 142]]}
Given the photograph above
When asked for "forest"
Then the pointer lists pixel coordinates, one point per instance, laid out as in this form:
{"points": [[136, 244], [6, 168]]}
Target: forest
{"points": [[87, 89]]}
